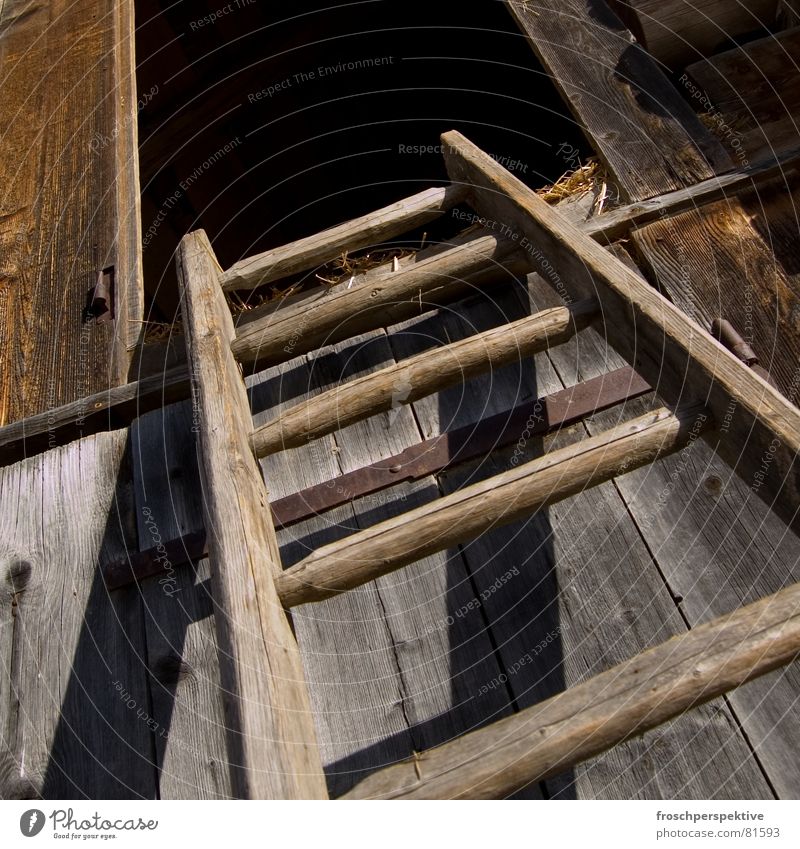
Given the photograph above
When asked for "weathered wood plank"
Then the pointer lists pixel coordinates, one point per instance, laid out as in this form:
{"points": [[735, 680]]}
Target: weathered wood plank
{"points": [[718, 547], [404, 382], [642, 129], [271, 744], [466, 514], [371, 229], [677, 32], [573, 589], [77, 725], [344, 313], [753, 94], [387, 674], [69, 200], [617, 223], [627, 699], [727, 260], [186, 693], [686, 548], [106, 410], [673, 353]]}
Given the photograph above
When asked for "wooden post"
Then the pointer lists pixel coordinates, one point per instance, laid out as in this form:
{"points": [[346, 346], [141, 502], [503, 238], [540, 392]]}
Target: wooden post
{"points": [[271, 738]]}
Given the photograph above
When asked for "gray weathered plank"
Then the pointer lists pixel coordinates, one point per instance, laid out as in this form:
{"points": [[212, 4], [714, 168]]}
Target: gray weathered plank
{"points": [[646, 134], [385, 389], [78, 722], [387, 674], [587, 594], [671, 351], [623, 701], [718, 547], [178, 613]]}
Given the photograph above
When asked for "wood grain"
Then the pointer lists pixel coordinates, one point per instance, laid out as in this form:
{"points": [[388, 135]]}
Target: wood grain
{"points": [[727, 259], [388, 672], [589, 593], [69, 200], [76, 723], [407, 381], [641, 693], [271, 743], [753, 95], [186, 692], [646, 134], [672, 352], [677, 32], [369, 230]]}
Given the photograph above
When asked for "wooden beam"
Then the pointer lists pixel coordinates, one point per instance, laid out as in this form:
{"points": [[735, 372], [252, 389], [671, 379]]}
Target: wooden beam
{"points": [[343, 313], [501, 499], [271, 738], [69, 201], [617, 223], [644, 131], [759, 432], [107, 410], [677, 32], [364, 232], [419, 376], [625, 701]]}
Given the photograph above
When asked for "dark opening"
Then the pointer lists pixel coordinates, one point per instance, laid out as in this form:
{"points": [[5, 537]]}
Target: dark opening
{"points": [[262, 122]]}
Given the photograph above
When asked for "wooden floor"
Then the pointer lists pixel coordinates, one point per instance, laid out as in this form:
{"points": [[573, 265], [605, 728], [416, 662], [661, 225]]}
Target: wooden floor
{"points": [[417, 657]]}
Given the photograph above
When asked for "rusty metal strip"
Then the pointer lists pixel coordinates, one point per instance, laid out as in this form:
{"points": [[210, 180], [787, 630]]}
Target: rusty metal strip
{"points": [[467, 443], [545, 415]]}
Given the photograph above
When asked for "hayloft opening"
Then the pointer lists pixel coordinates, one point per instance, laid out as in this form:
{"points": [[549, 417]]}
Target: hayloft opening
{"points": [[262, 123]]}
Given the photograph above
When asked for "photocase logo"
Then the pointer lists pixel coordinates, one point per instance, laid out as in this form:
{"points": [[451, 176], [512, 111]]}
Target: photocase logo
{"points": [[31, 822]]}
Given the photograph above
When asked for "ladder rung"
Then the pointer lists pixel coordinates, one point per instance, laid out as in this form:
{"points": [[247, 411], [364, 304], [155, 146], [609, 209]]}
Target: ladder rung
{"points": [[674, 354], [545, 415], [626, 700], [502, 499], [300, 328], [371, 229], [419, 376]]}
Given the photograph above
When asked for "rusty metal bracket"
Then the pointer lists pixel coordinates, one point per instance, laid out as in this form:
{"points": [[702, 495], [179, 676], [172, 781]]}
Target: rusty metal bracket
{"points": [[537, 418], [727, 334]]}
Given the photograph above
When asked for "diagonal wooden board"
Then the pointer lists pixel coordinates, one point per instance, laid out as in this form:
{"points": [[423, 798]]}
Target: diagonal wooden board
{"points": [[674, 354], [646, 134]]}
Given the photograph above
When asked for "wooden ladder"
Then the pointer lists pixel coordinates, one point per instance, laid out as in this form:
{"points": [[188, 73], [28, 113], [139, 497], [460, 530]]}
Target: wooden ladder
{"points": [[270, 726]]}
